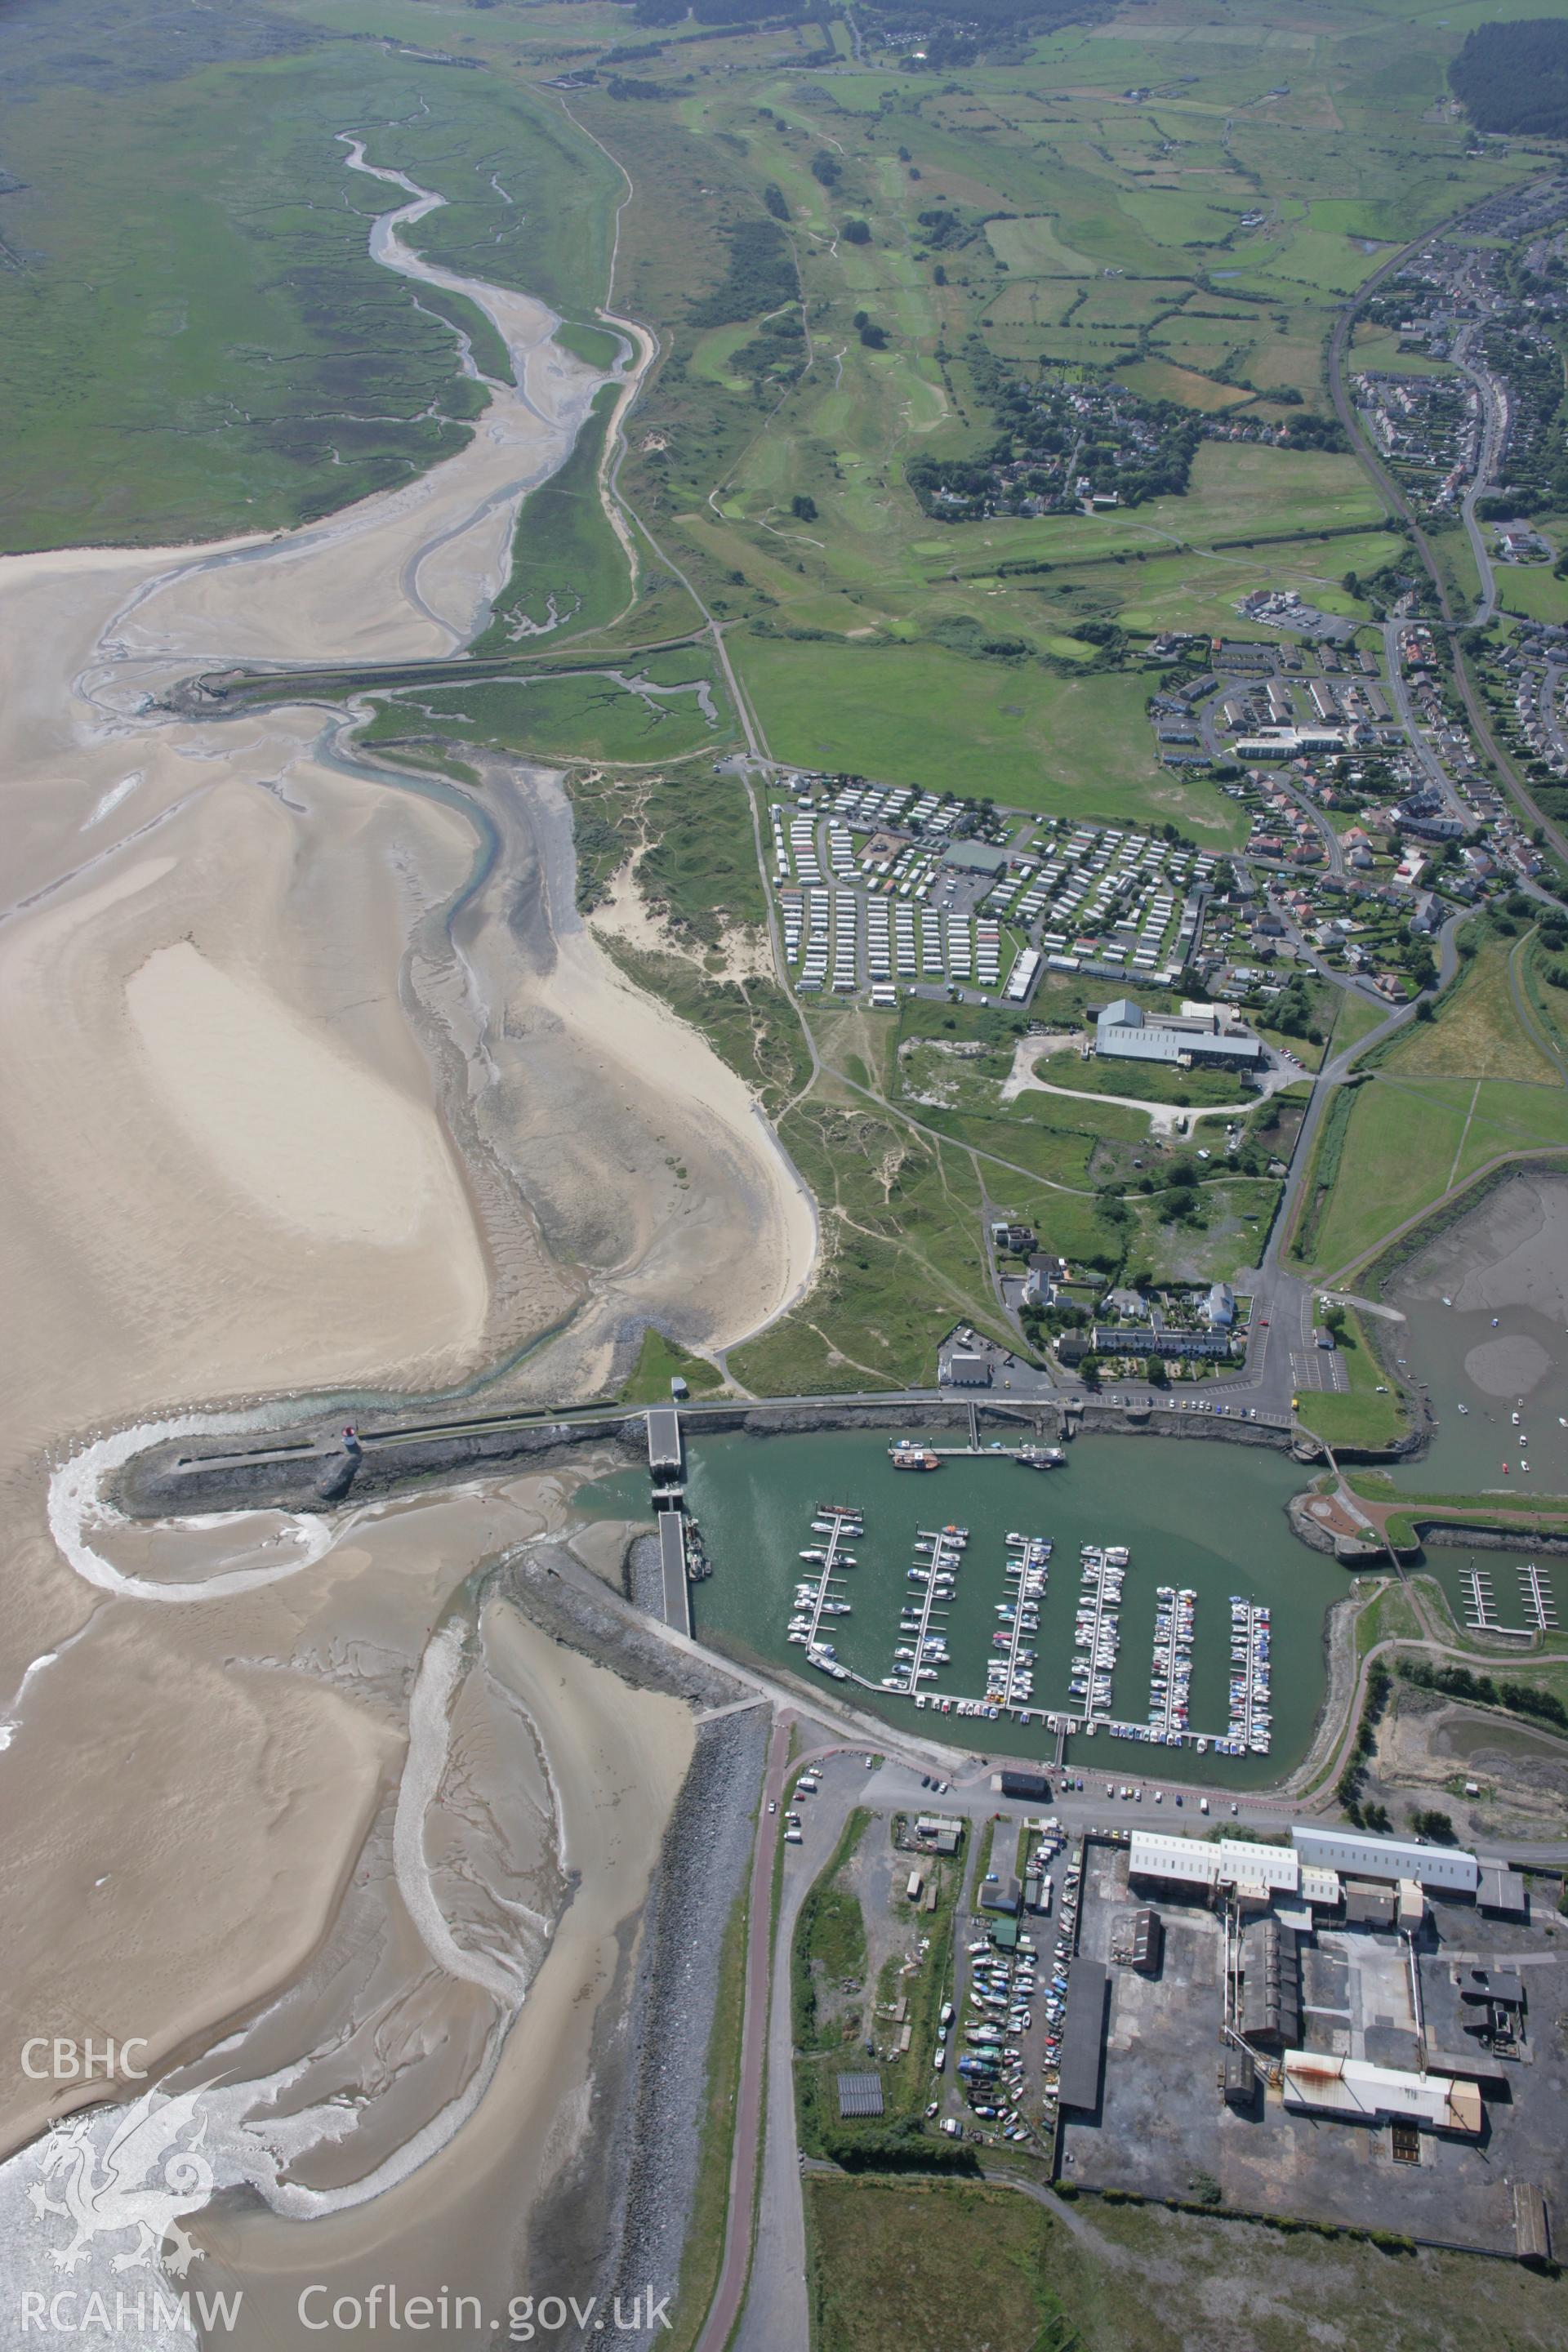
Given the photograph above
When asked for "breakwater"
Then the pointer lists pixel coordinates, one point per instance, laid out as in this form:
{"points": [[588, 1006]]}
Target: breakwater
{"points": [[315, 1464]]}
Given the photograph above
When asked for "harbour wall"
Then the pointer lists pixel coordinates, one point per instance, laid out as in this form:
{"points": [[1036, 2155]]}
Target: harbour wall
{"points": [[315, 1466]]}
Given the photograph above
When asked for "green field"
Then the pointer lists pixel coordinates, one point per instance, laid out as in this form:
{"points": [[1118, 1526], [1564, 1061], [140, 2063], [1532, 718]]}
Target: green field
{"points": [[1410, 1139], [1202, 1089], [1533, 590], [1444, 1100], [898, 2262], [1358, 1417], [1478, 1033], [1015, 733], [1355, 1020]]}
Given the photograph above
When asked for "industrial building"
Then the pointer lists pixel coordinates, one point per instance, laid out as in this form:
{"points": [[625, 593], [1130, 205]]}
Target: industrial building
{"points": [[1324, 1867], [940, 1834], [1354, 1855], [1501, 1891], [1191, 1039], [1271, 2017], [1356, 2092], [1083, 2041], [1138, 1941], [1370, 1906], [1254, 1872]]}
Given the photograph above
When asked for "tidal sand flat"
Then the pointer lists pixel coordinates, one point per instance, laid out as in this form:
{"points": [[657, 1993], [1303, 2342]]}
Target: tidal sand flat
{"points": [[461, 2222], [1486, 1303], [259, 1136]]}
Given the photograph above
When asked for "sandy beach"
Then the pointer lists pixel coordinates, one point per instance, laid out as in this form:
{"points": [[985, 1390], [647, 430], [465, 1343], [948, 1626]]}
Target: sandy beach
{"points": [[617, 1758], [269, 1127]]}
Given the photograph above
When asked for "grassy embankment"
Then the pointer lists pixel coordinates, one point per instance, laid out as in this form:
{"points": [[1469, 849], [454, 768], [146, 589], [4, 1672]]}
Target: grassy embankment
{"points": [[1390, 1615], [1442, 1100], [662, 1360], [1549, 1513], [704, 2248]]}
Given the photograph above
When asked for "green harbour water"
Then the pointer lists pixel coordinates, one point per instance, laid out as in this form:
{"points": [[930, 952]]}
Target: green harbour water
{"points": [[1204, 1514], [1447, 1564]]}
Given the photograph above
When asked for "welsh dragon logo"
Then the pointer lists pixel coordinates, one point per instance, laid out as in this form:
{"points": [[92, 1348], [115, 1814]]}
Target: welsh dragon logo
{"points": [[148, 2175]]}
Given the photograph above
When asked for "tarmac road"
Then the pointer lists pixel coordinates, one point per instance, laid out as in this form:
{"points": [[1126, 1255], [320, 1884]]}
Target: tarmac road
{"points": [[731, 2286]]}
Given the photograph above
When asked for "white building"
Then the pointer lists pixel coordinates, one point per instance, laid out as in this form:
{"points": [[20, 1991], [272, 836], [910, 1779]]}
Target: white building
{"points": [[1254, 1870], [1355, 1856], [1219, 1307], [1124, 1031], [1354, 2091]]}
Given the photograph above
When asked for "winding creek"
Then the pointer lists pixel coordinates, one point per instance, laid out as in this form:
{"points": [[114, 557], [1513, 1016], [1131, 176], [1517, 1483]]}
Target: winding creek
{"points": [[361, 1882], [1207, 1516]]}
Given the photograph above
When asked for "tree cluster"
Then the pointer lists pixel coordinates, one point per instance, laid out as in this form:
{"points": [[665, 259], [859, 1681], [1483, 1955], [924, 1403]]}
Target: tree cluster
{"points": [[760, 275], [1514, 76]]}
